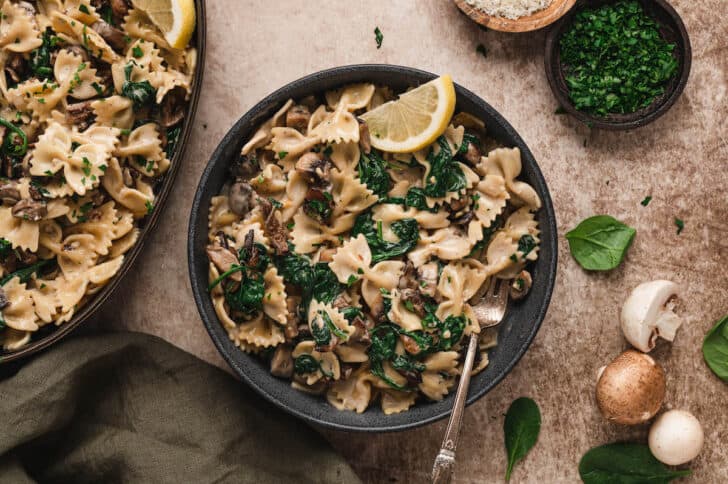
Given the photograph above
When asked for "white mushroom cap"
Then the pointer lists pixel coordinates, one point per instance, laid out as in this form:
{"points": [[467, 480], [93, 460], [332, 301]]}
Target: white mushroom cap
{"points": [[648, 314], [676, 437]]}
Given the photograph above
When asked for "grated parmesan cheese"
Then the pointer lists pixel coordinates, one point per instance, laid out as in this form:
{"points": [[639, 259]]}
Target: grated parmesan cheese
{"points": [[511, 9]]}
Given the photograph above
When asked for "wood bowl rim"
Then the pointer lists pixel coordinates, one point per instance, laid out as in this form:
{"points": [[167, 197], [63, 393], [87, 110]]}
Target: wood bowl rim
{"points": [[528, 23]]}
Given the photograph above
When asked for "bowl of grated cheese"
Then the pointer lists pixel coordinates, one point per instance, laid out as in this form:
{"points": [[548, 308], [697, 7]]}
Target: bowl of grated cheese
{"points": [[515, 15]]}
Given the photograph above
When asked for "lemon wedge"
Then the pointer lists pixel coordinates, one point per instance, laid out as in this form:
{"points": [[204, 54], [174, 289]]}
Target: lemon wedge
{"points": [[175, 18], [415, 120]]}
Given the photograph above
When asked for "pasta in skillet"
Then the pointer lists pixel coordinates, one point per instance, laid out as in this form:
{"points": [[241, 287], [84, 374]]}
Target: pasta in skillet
{"points": [[352, 271], [92, 98]]}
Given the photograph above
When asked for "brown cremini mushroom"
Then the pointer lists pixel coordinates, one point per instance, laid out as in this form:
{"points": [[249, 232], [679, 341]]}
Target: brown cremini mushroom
{"points": [[630, 390], [281, 365]]}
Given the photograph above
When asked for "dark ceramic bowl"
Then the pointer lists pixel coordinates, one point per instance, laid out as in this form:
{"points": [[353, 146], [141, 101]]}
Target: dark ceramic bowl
{"points": [[517, 331], [50, 334], [672, 30]]}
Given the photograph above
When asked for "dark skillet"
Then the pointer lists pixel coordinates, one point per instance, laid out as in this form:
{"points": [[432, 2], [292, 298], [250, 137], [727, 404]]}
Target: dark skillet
{"points": [[516, 333], [50, 334]]}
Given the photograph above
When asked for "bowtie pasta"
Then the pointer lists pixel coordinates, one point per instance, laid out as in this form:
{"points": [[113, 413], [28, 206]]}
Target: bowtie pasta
{"points": [[92, 100], [355, 273]]}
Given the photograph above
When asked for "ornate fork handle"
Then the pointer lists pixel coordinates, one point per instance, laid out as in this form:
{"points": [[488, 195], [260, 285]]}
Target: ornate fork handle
{"points": [[445, 461]]}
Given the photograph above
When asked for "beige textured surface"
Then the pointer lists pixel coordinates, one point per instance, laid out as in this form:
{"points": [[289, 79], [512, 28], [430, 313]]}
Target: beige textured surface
{"points": [[255, 47]]}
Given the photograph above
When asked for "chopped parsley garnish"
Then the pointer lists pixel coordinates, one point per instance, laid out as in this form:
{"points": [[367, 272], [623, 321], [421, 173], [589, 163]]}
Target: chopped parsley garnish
{"points": [[680, 224], [615, 59], [646, 201], [378, 37], [480, 49], [141, 93], [150, 207], [282, 154], [137, 52], [83, 8]]}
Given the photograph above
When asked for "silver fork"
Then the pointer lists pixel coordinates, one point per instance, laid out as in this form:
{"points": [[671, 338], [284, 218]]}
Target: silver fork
{"points": [[490, 311]]}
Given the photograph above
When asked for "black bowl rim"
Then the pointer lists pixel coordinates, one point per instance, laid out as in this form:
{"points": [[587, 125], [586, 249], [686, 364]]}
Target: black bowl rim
{"points": [[98, 300], [199, 280], [641, 117]]}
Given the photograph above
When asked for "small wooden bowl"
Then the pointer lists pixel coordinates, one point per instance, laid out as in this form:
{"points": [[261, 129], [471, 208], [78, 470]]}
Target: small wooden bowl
{"points": [[538, 20], [672, 29]]}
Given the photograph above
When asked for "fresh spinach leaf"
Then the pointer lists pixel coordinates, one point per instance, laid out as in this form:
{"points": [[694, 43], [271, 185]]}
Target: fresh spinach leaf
{"points": [[315, 281], [248, 297], [325, 285], [625, 463], [715, 349], [444, 174], [406, 229], [521, 428], [141, 93], [599, 243], [373, 173], [295, 269], [416, 198], [321, 332]]}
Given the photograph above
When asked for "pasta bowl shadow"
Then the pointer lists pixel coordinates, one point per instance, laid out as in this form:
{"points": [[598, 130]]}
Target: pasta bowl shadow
{"points": [[515, 333]]}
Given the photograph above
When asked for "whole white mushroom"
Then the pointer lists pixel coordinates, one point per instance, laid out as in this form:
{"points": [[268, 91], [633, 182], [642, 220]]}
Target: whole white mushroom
{"points": [[676, 437], [649, 313]]}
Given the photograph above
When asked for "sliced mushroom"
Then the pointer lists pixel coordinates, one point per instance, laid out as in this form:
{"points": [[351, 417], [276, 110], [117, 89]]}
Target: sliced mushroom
{"points": [[410, 345], [521, 285], [630, 390], [649, 314], [428, 276], [241, 198], [80, 114], [16, 67], [120, 8], [245, 166], [314, 167], [9, 193], [224, 259], [292, 320], [3, 299], [113, 36], [361, 332], [281, 365], [29, 209], [172, 109], [408, 279], [273, 227], [318, 205], [472, 156], [365, 141], [413, 300], [297, 117], [77, 50], [462, 219]]}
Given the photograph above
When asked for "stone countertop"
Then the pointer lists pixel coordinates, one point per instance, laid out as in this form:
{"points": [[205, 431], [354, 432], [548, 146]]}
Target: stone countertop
{"points": [[254, 47]]}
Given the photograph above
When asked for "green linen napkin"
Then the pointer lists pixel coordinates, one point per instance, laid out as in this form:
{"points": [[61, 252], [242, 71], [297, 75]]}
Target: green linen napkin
{"points": [[128, 407]]}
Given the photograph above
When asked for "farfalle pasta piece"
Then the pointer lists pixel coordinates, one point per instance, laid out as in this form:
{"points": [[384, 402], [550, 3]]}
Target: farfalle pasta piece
{"points": [[459, 281], [77, 77], [137, 199], [220, 217], [394, 401], [350, 195], [354, 258], [489, 199], [274, 296], [20, 233], [291, 142], [446, 244], [144, 147], [261, 332], [264, 135], [387, 213], [322, 315], [354, 393], [114, 111], [439, 375], [401, 315], [506, 162], [351, 97], [37, 97], [271, 180], [296, 189], [308, 234], [84, 35], [345, 157], [18, 29], [19, 314]]}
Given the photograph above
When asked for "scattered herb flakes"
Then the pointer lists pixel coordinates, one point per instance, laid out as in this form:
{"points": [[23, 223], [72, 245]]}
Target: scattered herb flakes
{"points": [[282, 154], [84, 9], [150, 207], [481, 49], [615, 60], [646, 201], [378, 37], [137, 52], [521, 428], [680, 225]]}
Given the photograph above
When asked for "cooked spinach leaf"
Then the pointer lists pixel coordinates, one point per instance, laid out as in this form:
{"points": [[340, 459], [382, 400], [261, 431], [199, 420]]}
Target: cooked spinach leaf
{"points": [[444, 174], [5, 248], [315, 281], [141, 93], [373, 173], [263, 259], [248, 297], [468, 139], [625, 463], [406, 363], [520, 428], [305, 364], [526, 244], [599, 243], [406, 229], [25, 274], [321, 332], [15, 143], [451, 330], [715, 349]]}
